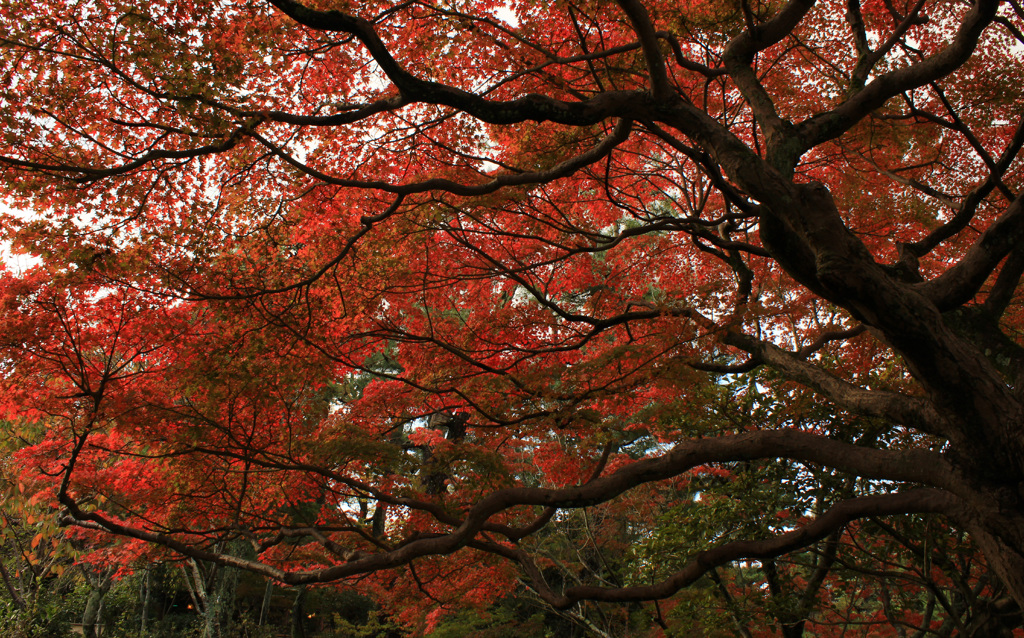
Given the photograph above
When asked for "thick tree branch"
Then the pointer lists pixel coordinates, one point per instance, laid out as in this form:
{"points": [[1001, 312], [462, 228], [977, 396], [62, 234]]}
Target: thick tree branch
{"points": [[960, 283], [916, 466], [641, 21], [738, 56], [909, 411], [917, 501], [969, 206], [530, 107], [1005, 286], [834, 123]]}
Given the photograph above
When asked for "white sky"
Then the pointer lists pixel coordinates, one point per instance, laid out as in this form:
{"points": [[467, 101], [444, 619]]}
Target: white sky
{"points": [[14, 263]]}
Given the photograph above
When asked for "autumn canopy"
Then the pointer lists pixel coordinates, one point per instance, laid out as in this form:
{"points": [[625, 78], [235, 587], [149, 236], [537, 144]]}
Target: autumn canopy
{"points": [[387, 294]]}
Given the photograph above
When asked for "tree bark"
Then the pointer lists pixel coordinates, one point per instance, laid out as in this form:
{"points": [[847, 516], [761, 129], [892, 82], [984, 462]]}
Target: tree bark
{"points": [[144, 612], [100, 585], [299, 613]]}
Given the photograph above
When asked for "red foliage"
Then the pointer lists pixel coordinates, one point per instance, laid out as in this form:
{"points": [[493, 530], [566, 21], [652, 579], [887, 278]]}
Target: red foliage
{"points": [[395, 287]]}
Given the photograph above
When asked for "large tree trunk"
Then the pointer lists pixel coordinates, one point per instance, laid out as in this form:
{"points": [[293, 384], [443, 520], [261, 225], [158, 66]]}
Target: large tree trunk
{"points": [[971, 404], [1005, 560], [268, 593], [299, 614], [144, 612], [100, 585]]}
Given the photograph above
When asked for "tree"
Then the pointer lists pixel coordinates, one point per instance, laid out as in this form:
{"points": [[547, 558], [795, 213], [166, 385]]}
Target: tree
{"points": [[34, 556], [384, 290]]}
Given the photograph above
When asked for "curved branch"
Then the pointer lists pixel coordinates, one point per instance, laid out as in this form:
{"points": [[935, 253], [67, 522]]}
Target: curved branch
{"points": [[969, 206], [918, 501], [686, 63], [892, 406], [829, 125], [917, 466], [961, 283], [78, 173], [618, 135], [739, 54], [644, 29], [367, 222], [868, 59], [529, 107]]}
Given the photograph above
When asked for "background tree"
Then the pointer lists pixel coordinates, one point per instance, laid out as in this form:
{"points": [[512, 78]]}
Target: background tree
{"points": [[275, 241]]}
